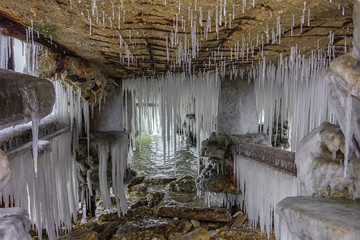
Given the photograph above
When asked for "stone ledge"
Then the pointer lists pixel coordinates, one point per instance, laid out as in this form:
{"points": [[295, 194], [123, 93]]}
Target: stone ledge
{"points": [[320, 218], [21, 95], [16, 137], [277, 158]]}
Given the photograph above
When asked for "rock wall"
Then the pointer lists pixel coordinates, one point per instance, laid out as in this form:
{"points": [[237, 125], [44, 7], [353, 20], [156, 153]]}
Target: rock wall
{"points": [[78, 72]]}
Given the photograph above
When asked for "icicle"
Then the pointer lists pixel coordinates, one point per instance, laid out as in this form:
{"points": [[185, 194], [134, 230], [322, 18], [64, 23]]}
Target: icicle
{"points": [[35, 119], [348, 132]]}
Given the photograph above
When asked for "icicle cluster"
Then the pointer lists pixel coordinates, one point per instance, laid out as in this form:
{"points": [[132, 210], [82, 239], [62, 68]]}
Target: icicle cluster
{"points": [[117, 151], [294, 90], [51, 196], [174, 103], [263, 187], [10, 46]]}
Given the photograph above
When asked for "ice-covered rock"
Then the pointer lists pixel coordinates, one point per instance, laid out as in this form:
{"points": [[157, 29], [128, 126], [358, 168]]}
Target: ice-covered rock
{"points": [[21, 95], [14, 224], [5, 172], [319, 218], [320, 169]]}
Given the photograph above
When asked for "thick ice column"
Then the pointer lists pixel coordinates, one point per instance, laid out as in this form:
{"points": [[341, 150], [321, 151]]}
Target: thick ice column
{"points": [[237, 107], [110, 116], [21, 95]]}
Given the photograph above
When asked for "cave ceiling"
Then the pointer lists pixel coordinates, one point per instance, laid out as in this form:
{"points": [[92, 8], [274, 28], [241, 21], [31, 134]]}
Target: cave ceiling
{"points": [[152, 37]]}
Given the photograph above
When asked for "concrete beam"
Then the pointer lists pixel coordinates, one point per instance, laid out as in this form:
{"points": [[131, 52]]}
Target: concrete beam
{"points": [[237, 108], [21, 95]]}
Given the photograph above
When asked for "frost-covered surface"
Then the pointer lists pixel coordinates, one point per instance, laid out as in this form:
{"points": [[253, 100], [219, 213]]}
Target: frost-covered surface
{"points": [[14, 224], [5, 172], [164, 103], [289, 91], [51, 197], [263, 187], [343, 77], [319, 161], [319, 218]]}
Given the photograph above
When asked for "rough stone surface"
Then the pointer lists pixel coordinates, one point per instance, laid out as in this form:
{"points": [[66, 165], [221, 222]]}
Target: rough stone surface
{"points": [[139, 187], [147, 228], [320, 218], [109, 116], [136, 180], [80, 234], [146, 40], [198, 234], [237, 108], [202, 214], [319, 173], [154, 198], [195, 223], [184, 184], [239, 220], [21, 95]]}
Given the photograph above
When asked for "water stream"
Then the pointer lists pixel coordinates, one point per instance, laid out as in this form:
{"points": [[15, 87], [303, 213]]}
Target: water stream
{"points": [[148, 160]]}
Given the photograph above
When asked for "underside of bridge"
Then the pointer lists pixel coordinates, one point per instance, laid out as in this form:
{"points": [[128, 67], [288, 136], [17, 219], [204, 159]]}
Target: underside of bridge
{"points": [[267, 91]]}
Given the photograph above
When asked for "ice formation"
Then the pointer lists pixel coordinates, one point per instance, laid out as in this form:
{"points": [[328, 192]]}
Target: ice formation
{"points": [[117, 151], [5, 172], [263, 187], [171, 100], [14, 224], [294, 90], [51, 197]]}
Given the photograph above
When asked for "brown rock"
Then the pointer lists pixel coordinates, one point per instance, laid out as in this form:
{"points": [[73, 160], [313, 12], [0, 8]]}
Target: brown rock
{"points": [[198, 234], [195, 223], [202, 214], [240, 219], [139, 187], [80, 234], [153, 199], [159, 180], [135, 181], [185, 184], [147, 228], [187, 227]]}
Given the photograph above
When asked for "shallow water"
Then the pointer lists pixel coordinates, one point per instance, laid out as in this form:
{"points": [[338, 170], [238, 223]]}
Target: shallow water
{"points": [[149, 160]]}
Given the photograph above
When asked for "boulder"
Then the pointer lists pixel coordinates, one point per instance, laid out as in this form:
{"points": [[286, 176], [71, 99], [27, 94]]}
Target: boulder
{"points": [[80, 234], [135, 181], [154, 198], [198, 234], [147, 228], [184, 184], [202, 214], [240, 219], [139, 187]]}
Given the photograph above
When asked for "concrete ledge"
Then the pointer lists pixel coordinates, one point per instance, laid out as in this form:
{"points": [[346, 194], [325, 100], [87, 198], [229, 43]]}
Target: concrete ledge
{"points": [[16, 137], [320, 218], [274, 157], [21, 95]]}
